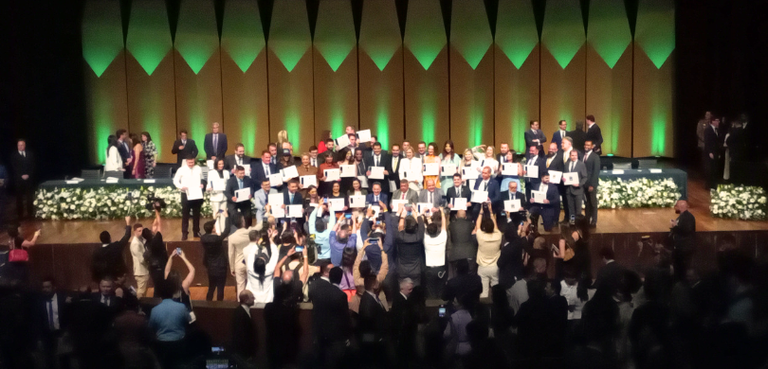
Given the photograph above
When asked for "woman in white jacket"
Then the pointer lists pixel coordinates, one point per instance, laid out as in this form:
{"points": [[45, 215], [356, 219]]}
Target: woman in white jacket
{"points": [[113, 167], [260, 265], [411, 170], [218, 200]]}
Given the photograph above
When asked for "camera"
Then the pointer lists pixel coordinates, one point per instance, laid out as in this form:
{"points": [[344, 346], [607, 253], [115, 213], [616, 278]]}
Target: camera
{"points": [[155, 203]]}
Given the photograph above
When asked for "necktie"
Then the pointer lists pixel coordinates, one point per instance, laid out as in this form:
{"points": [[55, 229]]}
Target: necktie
{"points": [[240, 183], [215, 141], [430, 197], [376, 200], [183, 143], [239, 161], [485, 185], [24, 154], [511, 195], [314, 162], [585, 157], [49, 304], [395, 163], [403, 198], [562, 134], [266, 170], [291, 197], [549, 161], [572, 164]]}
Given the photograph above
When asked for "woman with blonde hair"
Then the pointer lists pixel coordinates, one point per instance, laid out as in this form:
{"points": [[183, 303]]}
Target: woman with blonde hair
{"points": [[410, 169]]}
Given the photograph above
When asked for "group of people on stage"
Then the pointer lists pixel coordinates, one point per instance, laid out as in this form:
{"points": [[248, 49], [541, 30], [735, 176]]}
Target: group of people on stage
{"points": [[728, 149], [131, 156]]}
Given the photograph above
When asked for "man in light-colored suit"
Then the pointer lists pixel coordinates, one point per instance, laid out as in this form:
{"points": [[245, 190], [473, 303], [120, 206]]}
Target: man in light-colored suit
{"points": [[405, 193], [575, 193], [432, 195], [260, 198]]}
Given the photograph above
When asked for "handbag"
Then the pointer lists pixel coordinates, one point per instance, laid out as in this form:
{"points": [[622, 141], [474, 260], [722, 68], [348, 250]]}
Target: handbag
{"points": [[18, 256]]}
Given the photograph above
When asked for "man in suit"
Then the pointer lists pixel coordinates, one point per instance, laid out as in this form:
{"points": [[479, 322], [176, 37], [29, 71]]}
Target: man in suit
{"points": [[263, 169], [314, 157], [611, 273], [575, 193], [512, 218], [594, 134], [485, 183], [260, 199], [214, 256], [23, 164], [550, 208], [421, 150], [378, 158], [244, 340], [377, 196], [108, 260], [405, 193], [292, 196], [432, 195], [331, 323], [238, 158], [592, 162], [713, 147], [394, 166], [215, 144], [238, 182], [329, 150], [554, 160], [106, 297], [465, 288], [124, 150], [373, 321], [273, 159], [459, 189], [534, 159], [682, 231], [559, 135], [184, 148], [404, 317], [534, 136], [578, 136], [565, 156], [52, 309], [186, 178], [501, 157]]}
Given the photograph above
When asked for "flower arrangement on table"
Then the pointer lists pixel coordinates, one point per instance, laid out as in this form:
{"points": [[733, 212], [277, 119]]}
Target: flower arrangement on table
{"points": [[637, 193], [738, 202]]}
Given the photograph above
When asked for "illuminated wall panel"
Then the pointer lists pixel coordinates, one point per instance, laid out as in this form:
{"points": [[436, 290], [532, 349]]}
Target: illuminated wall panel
{"points": [[335, 68], [563, 59], [609, 75], [654, 78], [426, 73], [381, 72], [244, 77], [516, 72], [471, 73], [149, 68], [198, 69], [103, 54], [290, 73]]}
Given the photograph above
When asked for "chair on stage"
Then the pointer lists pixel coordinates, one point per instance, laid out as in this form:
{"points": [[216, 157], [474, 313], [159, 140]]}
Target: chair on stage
{"points": [[90, 174], [164, 171]]}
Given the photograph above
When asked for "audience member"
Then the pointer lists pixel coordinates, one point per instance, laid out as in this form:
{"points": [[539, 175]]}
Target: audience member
{"points": [[108, 260], [215, 256], [24, 176], [244, 342], [435, 241], [488, 248], [409, 244]]}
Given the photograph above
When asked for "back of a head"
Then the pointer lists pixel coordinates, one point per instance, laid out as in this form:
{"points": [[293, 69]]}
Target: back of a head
{"points": [[433, 229], [486, 225], [410, 225], [146, 234], [365, 268], [510, 234], [208, 226], [254, 235], [170, 286], [287, 238], [335, 275], [536, 288], [462, 266], [105, 237], [606, 252], [370, 282], [325, 268], [348, 257], [320, 225]]}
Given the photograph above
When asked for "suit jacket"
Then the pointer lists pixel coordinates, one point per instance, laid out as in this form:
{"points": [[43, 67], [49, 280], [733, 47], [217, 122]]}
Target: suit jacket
{"points": [[451, 193], [214, 252], [394, 171], [297, 198], [220, 151], [684, 233], [579, 137], [556, 163], [594, 135], [437, 197], [737, 144], [260, 201], [232, 186], [108, 260], [553, 195], [369, 199], [541, 162], [713, 143], [373, 319], [557, 139], [582, 170], [257, 171], [530, 136], [504, 196], [23, 165], [189, 150], [411, 195], [493, 189], [330, 317], [63, 310], [593, 169], [125, 151], [244, 340], [230, 161], [384, 161]]}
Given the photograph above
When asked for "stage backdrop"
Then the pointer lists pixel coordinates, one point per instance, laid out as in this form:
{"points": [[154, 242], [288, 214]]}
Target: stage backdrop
{"points": [[466, 70]]}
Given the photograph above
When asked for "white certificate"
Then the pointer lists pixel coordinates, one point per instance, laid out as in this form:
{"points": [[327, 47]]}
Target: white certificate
{"points": [[363, 181], [364, 135], [509, 169], [431, 169], [243, 194], [275, 180], [342, 142], [532, 171], [412, 175], [194, 193], [336, 204], [209, 163], [247, 168], [469, 173], [426, 206], [479, 196], [348, 171], [218, 184], [332, 175], [512, 206], [376, 172], [289, 172], [571, 178], [278, 212], [448, 170], [396, 204], [555, 176], [459, 203], [275, 200], [539, 196], [295, 211], [376, 210], [307, 181], [357, 201]]}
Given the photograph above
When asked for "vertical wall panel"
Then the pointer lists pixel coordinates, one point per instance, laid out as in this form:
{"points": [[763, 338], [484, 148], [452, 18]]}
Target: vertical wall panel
{"points": [[563, 59], [381, 71], [335, 68], [290, 73], [103, 53], [516, 72], [426, 73], [609, 74], [471, 74], [244, 77], [149, 67], [654, 78], [197, 69]]}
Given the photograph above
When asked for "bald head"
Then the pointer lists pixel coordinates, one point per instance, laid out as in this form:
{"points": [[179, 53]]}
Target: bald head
{"points": [[287, 276], [681, 206], [246, 298]]}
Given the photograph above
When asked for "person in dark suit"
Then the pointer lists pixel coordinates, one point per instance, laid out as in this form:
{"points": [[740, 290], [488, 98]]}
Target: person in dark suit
{"points": [[125, 151], [534, 136], [575, 193], [404, 319], [379, 158], [560, 134], [534, 158], [261, 171], [184, 148], [373, 321], [610, 274], [464, 288], [377, 196], [485, 183], [244, 341], [394, 166], [331, 323], [238, 158], [215, 144], [578, 136], [459, 189], [23, 164], [292, 196], [550, 208], [594, 134], [53, 312], [682, 231], [592, 162], [215, 256], [512, 218], [106, 297], [237, 182], [736, 144], [107, 259], [713, 147]]}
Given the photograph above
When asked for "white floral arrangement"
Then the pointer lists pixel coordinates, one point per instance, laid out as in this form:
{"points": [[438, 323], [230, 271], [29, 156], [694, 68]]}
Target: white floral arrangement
{"points": [[738, 202], [637, 193], [108, 203]]}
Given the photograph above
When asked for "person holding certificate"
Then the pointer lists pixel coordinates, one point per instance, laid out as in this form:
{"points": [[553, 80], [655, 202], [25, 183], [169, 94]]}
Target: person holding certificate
{"points": [[487, 184], [239, 191], [516, 216], [549, 208], [189, 179], [379, 158], [410, 170], [291, 196], [489, 161], [337, 194], [533, 175], [506, 176], [432, 158], [448, 158], [575, 192], [306, 169], [217, 183], [357, 189], [324, 188]]}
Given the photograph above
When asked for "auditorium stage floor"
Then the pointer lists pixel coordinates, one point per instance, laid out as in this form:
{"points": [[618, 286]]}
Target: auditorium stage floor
{"points": [[609, 221]]}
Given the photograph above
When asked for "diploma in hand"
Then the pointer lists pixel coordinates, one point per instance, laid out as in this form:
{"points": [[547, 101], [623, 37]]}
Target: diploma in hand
{"points": [[571, 178], [332, 175], [512, 206], [459, 203], [532, 171], [479, 196], [243, 194], [538, 196]]}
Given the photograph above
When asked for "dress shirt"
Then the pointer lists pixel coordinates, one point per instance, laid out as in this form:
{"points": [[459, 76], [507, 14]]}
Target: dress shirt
{"points": [[458, 190], [23, 153], [543, 188], [586, 155], [247, 310], [567, 155], [187, 177], [266, 169], [562, 134], [313, 161], [484, 185]]}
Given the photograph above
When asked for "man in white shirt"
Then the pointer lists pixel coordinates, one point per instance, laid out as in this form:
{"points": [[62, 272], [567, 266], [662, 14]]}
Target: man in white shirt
{"points": [[140, 266], [186, 179]]}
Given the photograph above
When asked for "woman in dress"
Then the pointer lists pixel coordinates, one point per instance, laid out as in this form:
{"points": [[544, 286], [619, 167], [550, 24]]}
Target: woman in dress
{"points": [[113, 167], [324, 188], [410, 169], [139, 161], [432, 158], [218, 200], [449, 157], [150, 155]]}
